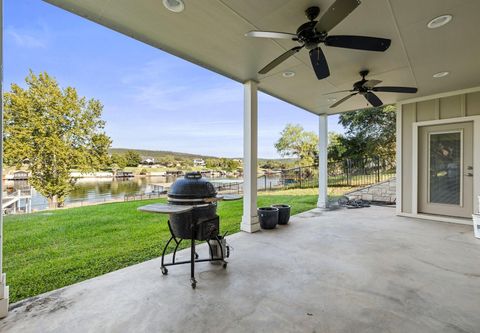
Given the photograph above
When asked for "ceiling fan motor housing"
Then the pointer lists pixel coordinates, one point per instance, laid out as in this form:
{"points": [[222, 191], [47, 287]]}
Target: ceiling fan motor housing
{"points": [[358, 86], [307, 35]]}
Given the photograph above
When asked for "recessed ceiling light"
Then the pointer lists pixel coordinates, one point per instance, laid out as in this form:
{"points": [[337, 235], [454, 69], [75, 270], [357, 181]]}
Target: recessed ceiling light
{"points": [[288, 74], [440, 74], [332, 99], [175, 6], [439, 21]]}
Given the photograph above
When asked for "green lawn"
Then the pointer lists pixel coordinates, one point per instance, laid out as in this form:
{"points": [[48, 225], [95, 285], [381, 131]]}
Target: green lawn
{"points": [[48, 250]]}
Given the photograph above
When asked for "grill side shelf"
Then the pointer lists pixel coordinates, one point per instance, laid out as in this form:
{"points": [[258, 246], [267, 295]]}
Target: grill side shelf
{"points": [[166, 208]]}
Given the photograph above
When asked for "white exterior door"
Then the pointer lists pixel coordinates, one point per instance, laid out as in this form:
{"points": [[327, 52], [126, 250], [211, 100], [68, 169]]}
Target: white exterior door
{"points": [[445, 169]]}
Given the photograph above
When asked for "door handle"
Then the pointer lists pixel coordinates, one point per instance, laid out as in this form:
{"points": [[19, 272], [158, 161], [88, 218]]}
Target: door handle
{"points": [[469, 174]]}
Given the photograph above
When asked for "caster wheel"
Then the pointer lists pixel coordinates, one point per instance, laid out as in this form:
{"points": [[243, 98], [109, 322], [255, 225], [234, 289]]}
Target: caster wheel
{"points": [[196, 255], [225, 265], [164, 270], [194, 283]]}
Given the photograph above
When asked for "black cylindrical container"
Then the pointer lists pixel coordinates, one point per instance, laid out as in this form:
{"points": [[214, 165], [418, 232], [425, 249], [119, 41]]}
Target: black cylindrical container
{"points": [[283, 213], [194, 191], [268, 217]]}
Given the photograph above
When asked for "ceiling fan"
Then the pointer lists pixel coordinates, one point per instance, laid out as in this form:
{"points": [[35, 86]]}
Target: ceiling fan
{"points": [[366, 87], [313, 33]]}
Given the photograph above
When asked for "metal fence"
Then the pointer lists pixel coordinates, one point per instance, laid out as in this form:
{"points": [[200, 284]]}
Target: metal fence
{"points": [[300, 177], [349, 172], [360, 172]]}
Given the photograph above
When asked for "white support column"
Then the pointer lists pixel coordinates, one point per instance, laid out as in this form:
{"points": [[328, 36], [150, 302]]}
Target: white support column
{"points": [[3, 283], [250, 124], [322, 161]]}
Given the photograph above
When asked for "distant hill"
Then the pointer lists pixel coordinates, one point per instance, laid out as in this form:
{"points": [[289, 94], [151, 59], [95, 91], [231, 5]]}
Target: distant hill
{"points": [[157, 154]]}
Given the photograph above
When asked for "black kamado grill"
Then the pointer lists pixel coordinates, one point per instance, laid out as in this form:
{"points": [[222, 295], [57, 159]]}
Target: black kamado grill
{"points": [[194, 191], [192, 206]]}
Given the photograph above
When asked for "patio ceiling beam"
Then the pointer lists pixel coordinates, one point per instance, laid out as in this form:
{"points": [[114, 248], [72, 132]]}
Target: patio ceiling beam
{"points": [[322, 161], [3, 286], [250, 157]]}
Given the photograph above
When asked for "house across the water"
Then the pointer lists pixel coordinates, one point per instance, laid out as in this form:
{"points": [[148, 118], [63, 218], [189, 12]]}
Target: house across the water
{"points": [[199, 162]]}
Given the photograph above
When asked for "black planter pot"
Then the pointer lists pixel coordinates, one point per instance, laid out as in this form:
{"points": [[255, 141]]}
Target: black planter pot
{"points": [[283, 213], [268, 217]]}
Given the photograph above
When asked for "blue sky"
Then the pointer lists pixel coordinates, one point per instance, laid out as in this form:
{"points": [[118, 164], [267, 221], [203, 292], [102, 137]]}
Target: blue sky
{"points": [[152, 100]]}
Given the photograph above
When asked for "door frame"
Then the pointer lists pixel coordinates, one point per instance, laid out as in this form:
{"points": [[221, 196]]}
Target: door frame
{"points": [[476, 162]]}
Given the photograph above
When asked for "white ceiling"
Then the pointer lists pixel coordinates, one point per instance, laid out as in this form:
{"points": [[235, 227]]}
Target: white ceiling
{"points": [[210, 33]]}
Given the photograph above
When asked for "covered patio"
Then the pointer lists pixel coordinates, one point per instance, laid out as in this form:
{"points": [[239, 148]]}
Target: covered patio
{"points": [[341, 271], [346, 270]]}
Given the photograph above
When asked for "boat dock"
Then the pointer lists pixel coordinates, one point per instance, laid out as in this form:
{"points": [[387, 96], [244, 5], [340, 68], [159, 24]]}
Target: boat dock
{"points": [[17, 202]]}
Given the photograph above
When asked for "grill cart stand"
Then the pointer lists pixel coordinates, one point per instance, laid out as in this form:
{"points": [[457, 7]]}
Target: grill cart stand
{"points": [[180, 209]]}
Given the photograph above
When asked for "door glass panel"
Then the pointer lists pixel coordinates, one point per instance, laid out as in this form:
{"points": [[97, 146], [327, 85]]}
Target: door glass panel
{"points": [[445, 168]]}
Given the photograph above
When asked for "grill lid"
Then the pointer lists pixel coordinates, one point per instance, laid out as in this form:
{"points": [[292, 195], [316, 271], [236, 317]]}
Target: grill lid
{"points": [[192, 186]]}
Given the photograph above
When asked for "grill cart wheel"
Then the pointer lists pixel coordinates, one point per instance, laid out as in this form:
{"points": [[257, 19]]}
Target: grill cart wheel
{"points": [[194, 283], [225, 265], [164, 270]]}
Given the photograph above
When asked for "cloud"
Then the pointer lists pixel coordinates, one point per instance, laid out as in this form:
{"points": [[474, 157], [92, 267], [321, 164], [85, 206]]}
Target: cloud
{"points": [[160, 96], [27, 39], [169, 85]]}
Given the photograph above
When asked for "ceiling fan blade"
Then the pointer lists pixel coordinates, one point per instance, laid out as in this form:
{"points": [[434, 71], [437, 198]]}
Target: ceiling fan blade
{"points": [[336, 92], [319, 63], [335, 14], [279, 60], [407, 90], [359, 42], [342, 100], [271, 34], [371, 83], [373, 99]]}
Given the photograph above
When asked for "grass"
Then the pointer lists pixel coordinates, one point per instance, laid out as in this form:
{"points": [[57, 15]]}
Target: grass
{"points": [[333, 192], [49, 250]]}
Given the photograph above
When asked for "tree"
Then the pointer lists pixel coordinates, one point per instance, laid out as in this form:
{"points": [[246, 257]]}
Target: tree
{"points": [[54, 130], [211, 163], [336, 147], [132, 158], [230, 164], [296, 142], [167, 160], [370, 131], [118, 162]]}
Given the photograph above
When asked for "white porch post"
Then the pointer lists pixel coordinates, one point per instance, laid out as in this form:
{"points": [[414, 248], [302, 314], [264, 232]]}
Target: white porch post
{"points": [[3, 286], [250, 124], [322, 161]]}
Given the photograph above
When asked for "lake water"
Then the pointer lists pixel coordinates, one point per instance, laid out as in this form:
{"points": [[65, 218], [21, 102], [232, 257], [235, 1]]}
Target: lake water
{"points": [[108, 189]]}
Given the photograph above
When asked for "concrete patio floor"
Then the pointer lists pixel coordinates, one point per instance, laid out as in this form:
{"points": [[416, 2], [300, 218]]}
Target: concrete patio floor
{"points": [[362, 270]]}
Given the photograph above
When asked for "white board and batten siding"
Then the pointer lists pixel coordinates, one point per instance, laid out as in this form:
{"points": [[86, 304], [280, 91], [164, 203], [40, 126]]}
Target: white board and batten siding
{"points": [[452, 107]]}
